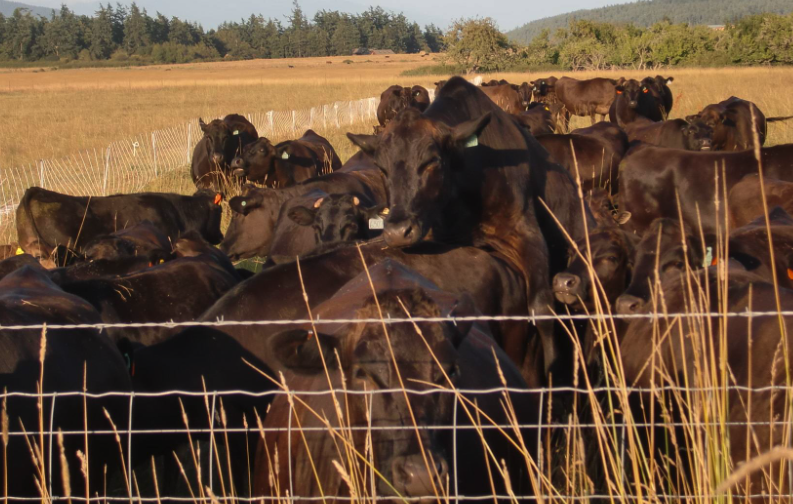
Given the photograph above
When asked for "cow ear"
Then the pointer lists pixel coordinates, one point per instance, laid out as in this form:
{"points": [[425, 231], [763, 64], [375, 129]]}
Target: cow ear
{"points": [[301, 215], [622, 217], [465, 307], [367, 143], [620, 89], [202, 125], [467, 133], [244, 204], [299, 350]]}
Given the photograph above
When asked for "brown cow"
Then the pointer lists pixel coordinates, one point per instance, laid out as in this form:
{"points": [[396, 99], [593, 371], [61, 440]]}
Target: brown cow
{"points": [[592, 159], [750, 245], [410, 462], [733, 121], [586, 97], [745, 203], [397, 98], [673, 134], [538, 120], [288, 163], [506, 97], [143, 239]]}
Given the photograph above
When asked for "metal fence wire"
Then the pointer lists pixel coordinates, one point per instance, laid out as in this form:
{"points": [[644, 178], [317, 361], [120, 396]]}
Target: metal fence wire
{"points": [[206, 437]]}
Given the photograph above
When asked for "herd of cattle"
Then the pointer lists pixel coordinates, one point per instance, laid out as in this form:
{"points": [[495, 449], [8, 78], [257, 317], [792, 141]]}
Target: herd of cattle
{"points": [[473, 204]]}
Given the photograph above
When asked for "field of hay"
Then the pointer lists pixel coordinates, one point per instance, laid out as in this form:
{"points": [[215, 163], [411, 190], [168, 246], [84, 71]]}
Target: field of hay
{"points": [[54, 113]]}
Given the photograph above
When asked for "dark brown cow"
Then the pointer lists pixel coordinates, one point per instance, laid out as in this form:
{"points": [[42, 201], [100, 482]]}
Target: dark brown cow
{"points": [[662, 86], [732, 123], [652, 177], [586, 97], [665, 251], [604, 212], [745, 201], [397, 98], [750, 246], [144, 240], [465, 173], [595, 160], [744, 358], [538, 120], [340, 218], [46, 219], [74, 360], [410, 462], [673, 134], [544, 90], [259, 215], [288, 163], [223, 139], [506, 97], [14, 262]]}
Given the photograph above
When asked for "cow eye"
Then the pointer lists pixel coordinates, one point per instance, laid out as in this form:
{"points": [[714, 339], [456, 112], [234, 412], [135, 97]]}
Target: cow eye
{"points": [[612, 258]]}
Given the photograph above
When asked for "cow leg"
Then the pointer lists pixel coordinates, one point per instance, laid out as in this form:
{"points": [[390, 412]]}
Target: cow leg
{"points": [[592, 117]]}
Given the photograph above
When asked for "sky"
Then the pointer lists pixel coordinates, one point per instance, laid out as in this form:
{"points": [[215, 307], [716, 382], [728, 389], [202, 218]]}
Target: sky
{"points": [[508, 14]]}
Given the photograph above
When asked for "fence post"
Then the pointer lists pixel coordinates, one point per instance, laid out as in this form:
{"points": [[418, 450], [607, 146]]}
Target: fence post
{"points": [[154, 150], [41, 174], [107, 169], [212, 437], [129, 441], [52, 422], [189, 141], [454, 448], [325, 117], [294, 128], [270, 118], [336, 113]]}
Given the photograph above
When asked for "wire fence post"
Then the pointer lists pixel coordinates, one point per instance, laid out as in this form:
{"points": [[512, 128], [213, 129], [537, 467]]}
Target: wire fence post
{"points": [[107, 171], [189, 141], [52, 422], [129, 442], [212, 438], [154, 151], [270, 119], [539, 433], [454, 448], [294, 127], [41, 174], [336, 113]]}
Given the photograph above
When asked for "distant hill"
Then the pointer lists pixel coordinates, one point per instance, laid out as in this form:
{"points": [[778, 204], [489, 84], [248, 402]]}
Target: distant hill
{"points": [[8, 8], [645, 13]]}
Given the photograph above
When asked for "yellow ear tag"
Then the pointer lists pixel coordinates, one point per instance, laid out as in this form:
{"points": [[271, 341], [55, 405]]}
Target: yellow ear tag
{"points": [[236, 132], [161, 261], [19, 251], [472, 141]]}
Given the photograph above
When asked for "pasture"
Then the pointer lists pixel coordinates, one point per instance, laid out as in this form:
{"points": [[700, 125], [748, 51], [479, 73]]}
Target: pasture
{"points": [[686, 402]]}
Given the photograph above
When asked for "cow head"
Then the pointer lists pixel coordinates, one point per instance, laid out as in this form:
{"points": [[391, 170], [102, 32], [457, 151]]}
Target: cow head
{"points": [[524, 90], [253, 219], [419, 98], [612, 263], [211, 201], [439, 85], [698, 136], [542, 88], [631, 91], [417, 155], [422, 360], [338, 218], [223, 143], [662, 254], [256, 161]]}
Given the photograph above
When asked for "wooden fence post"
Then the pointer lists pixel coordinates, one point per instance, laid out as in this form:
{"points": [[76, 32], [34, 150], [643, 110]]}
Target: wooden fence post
{"points": [[154, 150]]}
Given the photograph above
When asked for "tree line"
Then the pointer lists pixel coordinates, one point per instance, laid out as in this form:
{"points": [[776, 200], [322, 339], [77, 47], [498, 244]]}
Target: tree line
{"points": [[130, 35], [762, 39]]}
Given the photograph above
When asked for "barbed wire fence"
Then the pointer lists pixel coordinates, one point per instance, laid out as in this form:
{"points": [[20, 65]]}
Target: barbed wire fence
{"points": [[216, 423]]}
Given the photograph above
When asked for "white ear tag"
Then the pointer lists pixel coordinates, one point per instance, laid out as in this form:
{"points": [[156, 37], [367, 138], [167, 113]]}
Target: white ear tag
{"points": [[236, 132], [472, 141], [376, 223], [285, 155], [708, 257]]}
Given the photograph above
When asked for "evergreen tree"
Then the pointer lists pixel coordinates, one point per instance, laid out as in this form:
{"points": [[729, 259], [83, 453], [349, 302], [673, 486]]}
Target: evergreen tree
{"points": [[102, 34], [136, 30], [346, 38]]}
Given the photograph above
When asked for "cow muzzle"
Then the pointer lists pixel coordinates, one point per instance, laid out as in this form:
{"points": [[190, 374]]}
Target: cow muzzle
{"points": [[567, 288], [217, 157], [238, 167], [628, 305], [403, 233], [412, 477]]}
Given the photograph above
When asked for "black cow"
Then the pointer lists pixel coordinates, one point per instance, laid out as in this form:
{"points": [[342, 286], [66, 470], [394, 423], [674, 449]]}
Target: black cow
{"points": [[636, 100], [340, 218], [178, 291], [733, 122], [223, 139], [74, 360], [13, 263], [750, 245], [465, 173], [258, 215], [144, 240], [435, 355], [665, 251], [746, 203], [396, 99], [673, 134], [288, 163], [46, 219], [592, 158], [538, 119], [660, 85], [651, 178], [544, 90]]}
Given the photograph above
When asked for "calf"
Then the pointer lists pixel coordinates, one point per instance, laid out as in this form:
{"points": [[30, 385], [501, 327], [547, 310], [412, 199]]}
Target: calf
{"points": [[287, 163], [340, 218], [223, 139], [745, 201], [665, 251], [411, 460], [60, 361], [586, 97], [46, 219]]}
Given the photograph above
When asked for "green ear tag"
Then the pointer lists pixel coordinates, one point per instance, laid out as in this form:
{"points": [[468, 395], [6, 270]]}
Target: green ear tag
{"points": [[243, 203], [236, 132], [285, 155], [472, 141], [708, 257]]}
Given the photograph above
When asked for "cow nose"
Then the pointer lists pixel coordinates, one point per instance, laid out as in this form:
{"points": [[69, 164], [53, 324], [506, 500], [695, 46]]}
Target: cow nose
{"points": [[402, 234], [237, 162], [628, 305], [705, 145], [217, 157], [412, 478], [632, 104], [567, 288]]}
